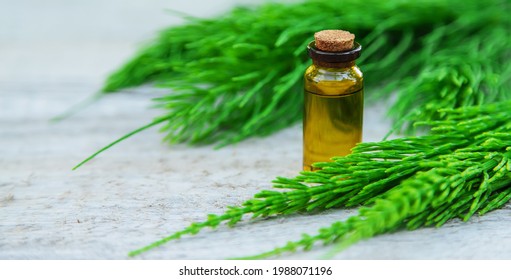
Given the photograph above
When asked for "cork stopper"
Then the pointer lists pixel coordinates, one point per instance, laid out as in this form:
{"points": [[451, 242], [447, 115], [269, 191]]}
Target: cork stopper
{"points": [[334, 40]]}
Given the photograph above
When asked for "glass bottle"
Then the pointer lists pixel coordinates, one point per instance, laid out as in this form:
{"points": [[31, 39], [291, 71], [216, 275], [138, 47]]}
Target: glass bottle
{"points": [[334, 101]]}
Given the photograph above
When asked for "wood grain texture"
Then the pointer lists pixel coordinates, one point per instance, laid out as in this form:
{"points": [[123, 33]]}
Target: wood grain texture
{"points": [[56, 54]]}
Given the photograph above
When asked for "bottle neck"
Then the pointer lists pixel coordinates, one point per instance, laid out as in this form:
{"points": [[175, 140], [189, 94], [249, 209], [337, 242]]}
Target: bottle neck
{"points": [[324, 64]]}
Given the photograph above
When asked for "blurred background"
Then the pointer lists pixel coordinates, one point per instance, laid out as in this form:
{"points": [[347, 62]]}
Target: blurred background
{"points": [[55, 53]]}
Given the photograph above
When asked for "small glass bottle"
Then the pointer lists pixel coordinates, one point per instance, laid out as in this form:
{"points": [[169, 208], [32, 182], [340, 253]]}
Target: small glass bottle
{"points": [[334, 98]]}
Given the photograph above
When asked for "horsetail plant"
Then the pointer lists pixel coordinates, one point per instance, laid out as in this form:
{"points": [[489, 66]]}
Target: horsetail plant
{"points": [[460, 168], [240, 75]]}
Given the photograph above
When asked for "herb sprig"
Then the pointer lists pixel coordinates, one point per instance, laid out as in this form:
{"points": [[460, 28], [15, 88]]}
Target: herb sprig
{"points": [[240, 75], [462, 167]]}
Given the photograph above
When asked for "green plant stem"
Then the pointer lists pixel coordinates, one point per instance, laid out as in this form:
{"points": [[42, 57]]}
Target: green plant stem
{"points": [[462, 166], [240, 75], [77, 107], [155, 122]]}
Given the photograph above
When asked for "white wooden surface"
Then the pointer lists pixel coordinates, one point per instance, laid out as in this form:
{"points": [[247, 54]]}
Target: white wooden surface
{"points": [[54, 53]]}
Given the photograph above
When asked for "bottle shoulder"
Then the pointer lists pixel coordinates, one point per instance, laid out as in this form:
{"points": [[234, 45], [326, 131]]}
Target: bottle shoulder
{"points": [[333, 81], [314, 72]]}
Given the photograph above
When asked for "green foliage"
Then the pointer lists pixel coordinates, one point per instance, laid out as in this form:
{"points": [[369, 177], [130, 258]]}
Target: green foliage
{"points": [[456, 74], [462, 167], [240, 75]]}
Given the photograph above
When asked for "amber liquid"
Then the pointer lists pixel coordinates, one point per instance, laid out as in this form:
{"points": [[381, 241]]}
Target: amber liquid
{"points": [[333, 113]]}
